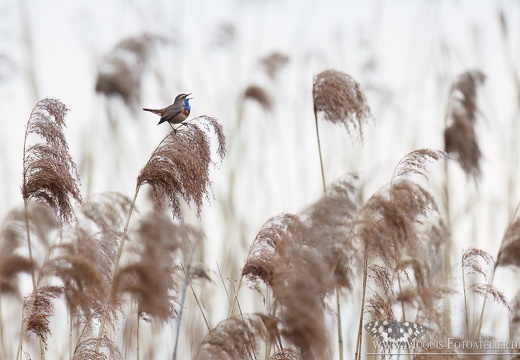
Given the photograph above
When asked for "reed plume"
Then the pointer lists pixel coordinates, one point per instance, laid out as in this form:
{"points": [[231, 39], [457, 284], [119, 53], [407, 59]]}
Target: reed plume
{"points": [[507, 256], [155, 275], [37, 309], [88, 350], [416, 163], [85, 260], [274, 63], [299, 279], [329, 229], [274, 236], [121, 70], [488, 290], [509, 253], [179, 167], [49, 173], [514, 324], [11, 266], [399, 223], [379, 307], [42, 223], [460, 138], [286, 354], [340, 98], [301, 282], [258, 94], [238, 338], [74, 262], [480, 264]]}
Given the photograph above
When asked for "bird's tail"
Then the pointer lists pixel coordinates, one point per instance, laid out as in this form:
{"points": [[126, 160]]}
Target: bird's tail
{"points": [[155, 111]]}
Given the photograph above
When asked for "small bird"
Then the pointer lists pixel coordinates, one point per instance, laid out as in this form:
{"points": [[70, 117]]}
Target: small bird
{"points": [[176, 113]]}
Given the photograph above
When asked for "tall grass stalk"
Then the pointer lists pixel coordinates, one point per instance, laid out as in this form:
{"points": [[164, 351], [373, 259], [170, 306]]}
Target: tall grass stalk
{"points": [[196, 298], [466, 315], [481, 317], [447, 249], [137, 338], [359, 340], [324, 183], [116, 268], [499, 262]]}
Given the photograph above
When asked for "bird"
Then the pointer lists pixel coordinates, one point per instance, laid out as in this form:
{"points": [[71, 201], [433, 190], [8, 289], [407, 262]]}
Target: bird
{"points": [[175, 113]]}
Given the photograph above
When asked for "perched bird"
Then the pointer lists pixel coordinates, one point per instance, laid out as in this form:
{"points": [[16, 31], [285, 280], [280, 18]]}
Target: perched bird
{"points": [[176, 113]]}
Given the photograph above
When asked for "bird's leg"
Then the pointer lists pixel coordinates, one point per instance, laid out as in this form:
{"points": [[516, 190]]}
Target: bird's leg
{"points": [[174, 131], [185, 124]]}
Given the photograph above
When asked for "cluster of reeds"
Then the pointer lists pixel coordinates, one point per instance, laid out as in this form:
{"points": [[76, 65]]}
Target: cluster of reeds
{"points": [[75, 251], [393, 242], [103, 266]]}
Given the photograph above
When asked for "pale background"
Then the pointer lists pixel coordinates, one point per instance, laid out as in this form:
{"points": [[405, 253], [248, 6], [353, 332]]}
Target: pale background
{"points": [[405, 54]]}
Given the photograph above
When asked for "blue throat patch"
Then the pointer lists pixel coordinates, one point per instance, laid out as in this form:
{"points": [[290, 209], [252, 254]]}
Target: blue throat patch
{"points": [[187, 105]]}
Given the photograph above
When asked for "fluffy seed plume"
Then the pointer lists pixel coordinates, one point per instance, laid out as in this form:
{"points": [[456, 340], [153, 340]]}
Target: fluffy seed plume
{"points": [[464, 93], [329, 229], [380, 308], [299, 279], [514, 324], [179, 167], [460, 137], [154, 277], [270, 240], [83, 261], [37, 309], [120, 72], [209, 124], [486, 290], [402, 220], [340, 98], [475, 261], [89, 349], [258, 94], [286, 354], [80, 264], [49, 173], [423, 293], [415, 162], [273, 63], [238, 338], [106, 213], [509, 253], [11, 263], [42, 223], [382, 280]]}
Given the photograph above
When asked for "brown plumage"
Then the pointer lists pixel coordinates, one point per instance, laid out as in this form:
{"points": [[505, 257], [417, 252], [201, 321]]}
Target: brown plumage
{"points": [[176, 113]]}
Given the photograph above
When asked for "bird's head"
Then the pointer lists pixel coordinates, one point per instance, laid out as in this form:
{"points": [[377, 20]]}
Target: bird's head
{"points": [[182, 97], [185, 99]]}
